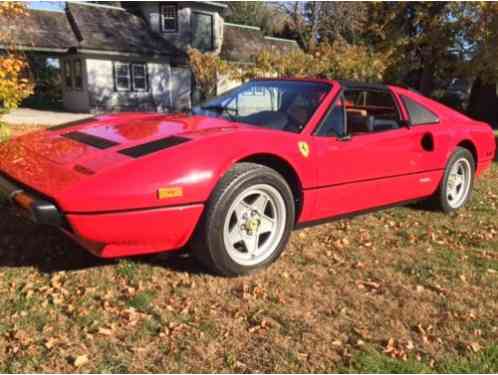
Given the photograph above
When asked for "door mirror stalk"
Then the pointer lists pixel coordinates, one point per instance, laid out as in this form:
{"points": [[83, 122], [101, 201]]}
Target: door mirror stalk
{"points": [[406, 123], [345, 138]]}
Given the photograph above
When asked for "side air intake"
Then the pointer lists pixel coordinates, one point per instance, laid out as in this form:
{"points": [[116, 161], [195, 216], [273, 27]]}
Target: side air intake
{"points": [[154, 146]]}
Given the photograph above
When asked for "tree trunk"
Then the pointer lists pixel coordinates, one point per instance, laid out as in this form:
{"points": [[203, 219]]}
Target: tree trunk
{"points": [[427, 79], [316, 9], [483, 102]]}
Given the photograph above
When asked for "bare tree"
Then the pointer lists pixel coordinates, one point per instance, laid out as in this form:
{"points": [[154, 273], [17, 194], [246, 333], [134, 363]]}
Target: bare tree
{"points": [[317, 21]]}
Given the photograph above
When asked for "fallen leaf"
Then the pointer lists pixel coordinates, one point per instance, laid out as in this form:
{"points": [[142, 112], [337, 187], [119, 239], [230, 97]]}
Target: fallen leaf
{"points": [[81, 360], [50, 343], [475, 346], [105, 331]]}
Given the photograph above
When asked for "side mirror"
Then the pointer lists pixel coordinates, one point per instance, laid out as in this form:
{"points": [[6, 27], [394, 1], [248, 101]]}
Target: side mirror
{"points": [[406, 123]]}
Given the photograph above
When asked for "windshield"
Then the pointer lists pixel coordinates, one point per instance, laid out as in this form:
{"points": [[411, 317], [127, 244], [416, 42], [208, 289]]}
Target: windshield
{"points": [[280, 105]]}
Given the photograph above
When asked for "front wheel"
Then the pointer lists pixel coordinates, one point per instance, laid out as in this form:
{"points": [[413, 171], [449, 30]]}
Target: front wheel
{"points": [[458, 180], [247, 221]]}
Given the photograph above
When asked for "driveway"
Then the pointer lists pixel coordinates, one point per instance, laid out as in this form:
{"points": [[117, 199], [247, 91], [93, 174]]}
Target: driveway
{"points": [[24, 116]]}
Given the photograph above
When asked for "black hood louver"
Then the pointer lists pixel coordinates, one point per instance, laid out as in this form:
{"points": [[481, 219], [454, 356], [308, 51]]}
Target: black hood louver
{"points": [[154, 146], [90, 140]]}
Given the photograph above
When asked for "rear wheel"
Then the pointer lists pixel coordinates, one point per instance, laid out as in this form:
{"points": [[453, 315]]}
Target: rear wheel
{"points": [[247, 221], [458, 180]]}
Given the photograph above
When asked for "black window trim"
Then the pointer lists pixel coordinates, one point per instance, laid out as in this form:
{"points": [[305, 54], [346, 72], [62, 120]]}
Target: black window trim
{"points": [[212, 28], [161, 18], [68, 69], [146, 77], [402, 99], [378, 89], [341, 95], [382, 90], [73, 72], [131, 74], [115, 76]]}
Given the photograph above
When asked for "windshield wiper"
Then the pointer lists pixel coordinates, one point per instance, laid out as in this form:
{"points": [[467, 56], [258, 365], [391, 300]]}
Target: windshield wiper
{"points": [[217, 108], [230, 113]]}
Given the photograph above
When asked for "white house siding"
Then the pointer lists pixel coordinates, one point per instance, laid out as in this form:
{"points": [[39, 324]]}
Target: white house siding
{"points": [[160, 81], [181, 87]]}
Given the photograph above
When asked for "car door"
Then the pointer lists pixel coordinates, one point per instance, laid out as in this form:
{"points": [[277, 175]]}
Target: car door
{"points": [[367, 159], [431, 140]]}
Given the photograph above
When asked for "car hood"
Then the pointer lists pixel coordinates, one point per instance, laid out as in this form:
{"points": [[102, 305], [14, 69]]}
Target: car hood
{"points": [[106, 135], [122, 162], [59, 158]]}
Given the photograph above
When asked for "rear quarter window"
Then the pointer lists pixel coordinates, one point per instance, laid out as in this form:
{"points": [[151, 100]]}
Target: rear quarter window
{"points": [[419, 115]]}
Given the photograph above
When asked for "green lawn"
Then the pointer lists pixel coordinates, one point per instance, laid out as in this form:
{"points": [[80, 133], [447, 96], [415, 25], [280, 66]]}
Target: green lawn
{"points": [[403, 290]]}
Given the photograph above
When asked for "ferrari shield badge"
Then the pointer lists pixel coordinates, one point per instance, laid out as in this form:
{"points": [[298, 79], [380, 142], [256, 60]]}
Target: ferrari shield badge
{"points": [[304, 149]]}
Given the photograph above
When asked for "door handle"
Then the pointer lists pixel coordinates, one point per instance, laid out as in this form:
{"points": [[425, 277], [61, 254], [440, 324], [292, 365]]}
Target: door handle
{"points": [[427, 142]]}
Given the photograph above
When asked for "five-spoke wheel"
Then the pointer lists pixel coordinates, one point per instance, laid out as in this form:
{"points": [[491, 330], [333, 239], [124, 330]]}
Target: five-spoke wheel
{"points": [[254, 224], [456, 186], [247, 221]]}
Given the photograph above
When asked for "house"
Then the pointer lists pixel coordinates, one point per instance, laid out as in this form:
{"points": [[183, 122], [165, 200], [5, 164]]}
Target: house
{"points": [[133, 56]]}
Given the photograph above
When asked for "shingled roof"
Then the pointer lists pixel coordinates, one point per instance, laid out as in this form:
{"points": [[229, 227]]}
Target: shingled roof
{"points": [[107, 28], [96, 27], [85, 26], [242, 43], [38, 29]]}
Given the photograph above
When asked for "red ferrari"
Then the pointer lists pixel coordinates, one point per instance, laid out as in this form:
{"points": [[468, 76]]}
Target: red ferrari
{"points": [[234, 177]]}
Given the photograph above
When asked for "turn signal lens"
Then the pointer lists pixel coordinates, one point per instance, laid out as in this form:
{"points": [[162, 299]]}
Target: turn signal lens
{"points": [[170, 192], [24, 201]]}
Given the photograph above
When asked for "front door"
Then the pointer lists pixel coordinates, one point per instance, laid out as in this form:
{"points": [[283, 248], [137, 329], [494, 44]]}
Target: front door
{"points": [[365, 156]]}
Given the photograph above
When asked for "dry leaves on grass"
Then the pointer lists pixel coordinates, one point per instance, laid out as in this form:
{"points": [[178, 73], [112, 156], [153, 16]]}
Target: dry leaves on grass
{"points": [[80, 360]]}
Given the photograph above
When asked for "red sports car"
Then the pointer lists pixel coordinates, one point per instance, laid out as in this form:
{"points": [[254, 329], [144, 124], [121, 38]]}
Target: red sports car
{"points": [[234, 177]]}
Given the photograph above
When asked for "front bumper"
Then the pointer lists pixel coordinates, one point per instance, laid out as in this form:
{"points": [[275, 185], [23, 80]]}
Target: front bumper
{"points": [[135, 232], [29, 204], [112, 234]]}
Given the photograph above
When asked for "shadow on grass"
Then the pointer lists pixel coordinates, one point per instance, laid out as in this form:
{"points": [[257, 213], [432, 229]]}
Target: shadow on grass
{"points": [[23, 244], [496, 149]]}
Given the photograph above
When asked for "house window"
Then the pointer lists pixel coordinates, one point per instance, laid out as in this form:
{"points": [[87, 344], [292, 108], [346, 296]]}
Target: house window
{"points": [[77, 74], [169, 18], [130, 76], [122, 78], [67, 74], [139, 74], [202, 31]]}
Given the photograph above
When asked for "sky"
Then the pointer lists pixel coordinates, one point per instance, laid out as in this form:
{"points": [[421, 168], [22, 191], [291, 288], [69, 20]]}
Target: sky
{"points": [[47, 5]]}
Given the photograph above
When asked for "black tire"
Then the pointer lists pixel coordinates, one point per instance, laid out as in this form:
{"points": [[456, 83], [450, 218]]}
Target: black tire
{"points": [[440, 199], [208, 245]]}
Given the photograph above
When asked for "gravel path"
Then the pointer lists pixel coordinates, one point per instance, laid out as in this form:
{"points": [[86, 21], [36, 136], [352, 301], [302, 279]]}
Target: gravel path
{"points": [[21, 116]]}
